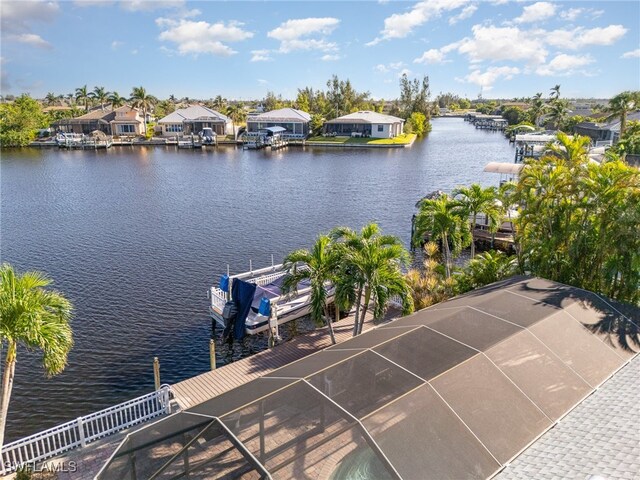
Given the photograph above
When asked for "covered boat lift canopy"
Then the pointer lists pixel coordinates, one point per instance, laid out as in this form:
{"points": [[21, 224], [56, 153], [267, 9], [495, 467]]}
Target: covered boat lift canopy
{"points": [[504, 168]]}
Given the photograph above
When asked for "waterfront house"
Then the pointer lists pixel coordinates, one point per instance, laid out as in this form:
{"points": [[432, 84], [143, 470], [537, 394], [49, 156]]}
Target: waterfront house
{"points": [[605, 131], [193, 119], [127, 122], [295, 122], [365, 124], [121, 121]]}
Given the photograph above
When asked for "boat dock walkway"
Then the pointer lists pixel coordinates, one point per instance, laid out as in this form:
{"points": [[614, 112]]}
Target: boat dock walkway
{"points": [[203, 387]]}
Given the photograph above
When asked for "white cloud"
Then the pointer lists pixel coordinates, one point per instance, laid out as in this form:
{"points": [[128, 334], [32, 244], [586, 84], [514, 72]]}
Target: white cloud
{"points": [[580, 37], [431, 56], [294, 34], [536, 12], [16, 19], [262, 81], [502, 43], [195, 38], [572, 14], [464, 14], [393, 66], [150, 5], [330, 58], [399, 25], [632, 54], [116, 44], [261, 55], [563, 64], [30, 39], [487, 78]]}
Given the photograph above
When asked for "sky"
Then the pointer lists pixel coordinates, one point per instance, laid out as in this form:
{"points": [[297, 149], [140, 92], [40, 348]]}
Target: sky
{"points": [[244, 49]]}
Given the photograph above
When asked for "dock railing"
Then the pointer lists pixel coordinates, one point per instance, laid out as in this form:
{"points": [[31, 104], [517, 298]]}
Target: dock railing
{"points": [[77, 433]]}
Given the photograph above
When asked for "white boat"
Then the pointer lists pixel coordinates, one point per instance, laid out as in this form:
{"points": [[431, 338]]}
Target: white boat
{"points": [[207, 136], [64, 139], [268, 282]]}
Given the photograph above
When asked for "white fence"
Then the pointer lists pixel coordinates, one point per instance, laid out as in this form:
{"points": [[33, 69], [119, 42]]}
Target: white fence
{"points": [[84, 430]]}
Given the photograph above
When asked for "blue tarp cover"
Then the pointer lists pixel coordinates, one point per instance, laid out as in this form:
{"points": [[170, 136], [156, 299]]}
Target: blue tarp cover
{"points": [[242, 293]]}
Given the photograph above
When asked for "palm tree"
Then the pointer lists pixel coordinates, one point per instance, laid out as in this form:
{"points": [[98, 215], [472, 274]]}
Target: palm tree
{"points": [[621, 105], [558, 112], [555, 92], [82, 96], [116, 100], [475, 200], [443, 219], [100, 95], [489, 267], [34, 318], [140, 99], [236, 113], [50, 99], [219, 103], [318, 266], [536, 108], [572, 150], [173, 99], [371, 265]]}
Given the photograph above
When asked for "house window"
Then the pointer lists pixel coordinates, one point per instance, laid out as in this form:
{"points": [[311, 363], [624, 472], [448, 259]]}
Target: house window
{"points": [[174, 128], [127, 129], [381, 128]]}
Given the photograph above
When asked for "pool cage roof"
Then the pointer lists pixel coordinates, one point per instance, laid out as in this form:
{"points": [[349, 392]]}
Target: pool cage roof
{"points": [[453, 391]]}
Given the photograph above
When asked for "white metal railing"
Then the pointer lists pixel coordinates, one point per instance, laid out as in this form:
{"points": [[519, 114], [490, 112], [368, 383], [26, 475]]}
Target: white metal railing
{"points": [[84, 430]]}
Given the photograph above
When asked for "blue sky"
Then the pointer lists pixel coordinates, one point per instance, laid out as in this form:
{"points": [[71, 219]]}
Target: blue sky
{"points": [[244, 49]]}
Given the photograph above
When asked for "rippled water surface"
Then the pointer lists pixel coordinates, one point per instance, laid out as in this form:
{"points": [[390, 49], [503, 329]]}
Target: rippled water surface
{"points": [[135, 236]]}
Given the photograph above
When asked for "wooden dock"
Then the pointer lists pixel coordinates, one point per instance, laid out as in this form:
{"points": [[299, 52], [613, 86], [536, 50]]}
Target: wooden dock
{"points": [[203, 387]]}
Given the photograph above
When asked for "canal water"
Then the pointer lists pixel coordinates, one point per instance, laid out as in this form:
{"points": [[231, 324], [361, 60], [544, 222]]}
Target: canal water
{"points": [[136, 236]]}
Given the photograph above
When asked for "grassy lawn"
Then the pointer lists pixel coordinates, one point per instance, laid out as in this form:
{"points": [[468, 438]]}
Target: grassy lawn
{"points": [[403, 139]]}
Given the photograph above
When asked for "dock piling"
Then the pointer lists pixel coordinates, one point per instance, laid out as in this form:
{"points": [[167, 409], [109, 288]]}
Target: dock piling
{"points": [[156, 372], [212, 353]]}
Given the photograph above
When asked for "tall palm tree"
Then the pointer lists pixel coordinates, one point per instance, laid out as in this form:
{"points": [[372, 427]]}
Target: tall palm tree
{"points": [[140, 99], [371, 266], [116, 100], [621, 105], [555, 92], [219, 103], [173, 99], [536, 108], [475, 200], [34, 318], [50, 99], [100, 95], [318, 266], [444, 219], [236, 113], [82, 96], [558, 112]]}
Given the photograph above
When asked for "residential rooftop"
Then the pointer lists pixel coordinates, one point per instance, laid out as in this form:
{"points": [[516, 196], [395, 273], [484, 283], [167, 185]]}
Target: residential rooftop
{"points": [[366, 116], [457, 390]]}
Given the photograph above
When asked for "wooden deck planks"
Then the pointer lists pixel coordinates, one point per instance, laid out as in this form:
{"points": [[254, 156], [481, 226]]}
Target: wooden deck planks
{"points": [[203, 387]]}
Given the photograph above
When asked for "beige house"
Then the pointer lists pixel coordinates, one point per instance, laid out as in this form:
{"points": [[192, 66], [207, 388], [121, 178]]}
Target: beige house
{"points": [[127, 121], [121, 121]]}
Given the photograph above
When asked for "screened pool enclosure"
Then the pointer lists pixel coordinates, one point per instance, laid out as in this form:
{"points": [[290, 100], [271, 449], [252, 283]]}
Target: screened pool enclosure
{"points": [[453, 391]]}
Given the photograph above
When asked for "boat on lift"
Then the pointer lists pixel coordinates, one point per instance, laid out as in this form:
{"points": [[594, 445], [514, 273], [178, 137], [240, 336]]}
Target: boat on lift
{"points": [[255, 300]]}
